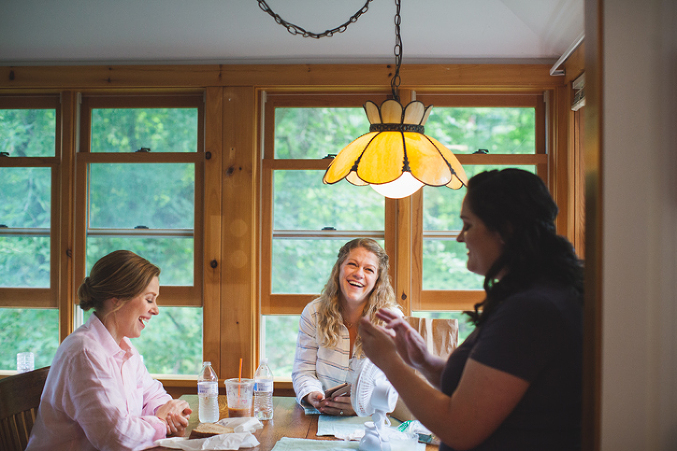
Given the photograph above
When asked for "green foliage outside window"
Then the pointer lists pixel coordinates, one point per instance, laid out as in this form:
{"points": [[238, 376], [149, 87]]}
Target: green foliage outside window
{"points": [[28, 330], [498, 130], [302, 266], [278, 336], [316, 132], [122, 196], [171, 343], [28, 133], [127, 198], [131, 129]]}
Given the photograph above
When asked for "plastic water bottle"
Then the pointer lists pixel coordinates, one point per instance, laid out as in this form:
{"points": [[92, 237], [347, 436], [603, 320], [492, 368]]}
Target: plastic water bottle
{"points": [[208, 394], [263, 392]]}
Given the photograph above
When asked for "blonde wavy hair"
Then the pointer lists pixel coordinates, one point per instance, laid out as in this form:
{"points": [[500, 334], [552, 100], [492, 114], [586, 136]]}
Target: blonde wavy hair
{"points": [[383, 295]]}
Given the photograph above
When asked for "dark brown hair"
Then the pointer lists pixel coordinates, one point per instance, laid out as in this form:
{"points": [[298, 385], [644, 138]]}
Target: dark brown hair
{"points": [[517, 204]]}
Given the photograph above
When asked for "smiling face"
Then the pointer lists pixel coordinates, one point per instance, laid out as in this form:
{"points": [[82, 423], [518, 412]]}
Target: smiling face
{"points": [[130, 319], [357, 277], [484, 246]]}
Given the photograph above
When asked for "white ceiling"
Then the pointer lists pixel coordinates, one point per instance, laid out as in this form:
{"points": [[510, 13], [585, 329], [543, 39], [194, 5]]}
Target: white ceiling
{"points": [[238, 31]]}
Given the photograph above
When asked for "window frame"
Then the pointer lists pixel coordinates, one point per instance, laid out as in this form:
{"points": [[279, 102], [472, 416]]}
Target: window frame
{"points": [[233, 211], [452, 300], [26, 297], [292, 304], [178, 296]]}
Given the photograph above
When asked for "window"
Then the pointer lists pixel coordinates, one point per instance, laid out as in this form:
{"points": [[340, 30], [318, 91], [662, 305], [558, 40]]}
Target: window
{"points": [[29, 173], [486, 132], [140, 172], [308, 221]]}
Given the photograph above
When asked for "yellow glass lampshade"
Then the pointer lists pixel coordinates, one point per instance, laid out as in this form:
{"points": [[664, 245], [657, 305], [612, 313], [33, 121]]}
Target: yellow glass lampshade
{"points": [[395, 157]]}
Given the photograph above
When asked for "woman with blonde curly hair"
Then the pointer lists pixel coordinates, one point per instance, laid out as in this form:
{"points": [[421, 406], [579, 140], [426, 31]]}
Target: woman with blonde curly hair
{"points": [[359, 285]]}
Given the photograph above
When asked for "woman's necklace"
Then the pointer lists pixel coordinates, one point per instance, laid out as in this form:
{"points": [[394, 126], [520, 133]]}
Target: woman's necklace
{"points": [[348, 325]]}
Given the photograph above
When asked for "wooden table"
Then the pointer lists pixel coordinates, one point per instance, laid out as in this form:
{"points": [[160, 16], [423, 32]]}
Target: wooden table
{"points": [[289, 420]]}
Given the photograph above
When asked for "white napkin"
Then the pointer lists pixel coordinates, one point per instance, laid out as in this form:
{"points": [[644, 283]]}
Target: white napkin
{"points": [[241, 438], [347, 428], [301, 444]]}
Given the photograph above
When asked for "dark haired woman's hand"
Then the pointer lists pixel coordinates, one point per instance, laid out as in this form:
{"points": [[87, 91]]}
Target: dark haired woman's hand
{"points": [[410, 345], [378, 343]]}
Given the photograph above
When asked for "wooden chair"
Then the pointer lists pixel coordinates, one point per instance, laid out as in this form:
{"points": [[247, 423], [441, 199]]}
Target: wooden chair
{"points": [[19, 402]]}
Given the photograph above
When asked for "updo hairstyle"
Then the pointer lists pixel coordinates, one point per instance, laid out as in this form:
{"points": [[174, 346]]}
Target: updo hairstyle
{"points": [[121, 274]]}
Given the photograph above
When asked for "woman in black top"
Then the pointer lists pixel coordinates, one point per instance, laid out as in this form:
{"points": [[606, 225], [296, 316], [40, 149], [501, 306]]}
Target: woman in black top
{"points": [[515, 382]]}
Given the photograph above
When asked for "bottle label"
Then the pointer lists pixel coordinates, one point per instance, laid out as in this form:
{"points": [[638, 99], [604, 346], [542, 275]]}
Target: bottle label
{"points": [[207, 388], [263, 385]]}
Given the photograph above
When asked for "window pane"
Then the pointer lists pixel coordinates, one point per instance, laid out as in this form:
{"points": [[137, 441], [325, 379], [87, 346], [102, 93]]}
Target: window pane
{"points": [[303, 202], [465, 327], [442, 207], [303, 266], [28, 133], [180, 326], [444, 260], [43, 339], [278, 336], [444, 267], [25, 197], [155, 195], [316, 132], [24, 261], [130, 129], [173, 255], [498, 130]]}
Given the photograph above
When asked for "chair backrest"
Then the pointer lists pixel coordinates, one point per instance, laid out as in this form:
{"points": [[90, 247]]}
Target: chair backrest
{"points": [[19, 402], [441, 335]]}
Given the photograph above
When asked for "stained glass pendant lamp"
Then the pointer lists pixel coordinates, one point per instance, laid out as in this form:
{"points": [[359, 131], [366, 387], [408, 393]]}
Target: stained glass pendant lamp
{"points": [[396, 158]]}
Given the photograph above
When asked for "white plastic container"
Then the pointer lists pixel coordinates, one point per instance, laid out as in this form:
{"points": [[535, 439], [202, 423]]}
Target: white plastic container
{"points": [[263, 392], [208, 394], [25, 362]]}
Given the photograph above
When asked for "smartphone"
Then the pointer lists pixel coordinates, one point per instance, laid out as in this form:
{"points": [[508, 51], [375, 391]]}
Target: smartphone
{"points": [[339, 390]]}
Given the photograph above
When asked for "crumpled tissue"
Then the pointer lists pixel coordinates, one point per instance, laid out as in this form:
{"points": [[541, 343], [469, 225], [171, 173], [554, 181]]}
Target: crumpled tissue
{"points": [[242, 437]]}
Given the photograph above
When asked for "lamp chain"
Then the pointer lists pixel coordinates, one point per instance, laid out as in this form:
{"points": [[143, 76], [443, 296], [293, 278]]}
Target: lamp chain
{"points": [[395, 81], [296, 30]]}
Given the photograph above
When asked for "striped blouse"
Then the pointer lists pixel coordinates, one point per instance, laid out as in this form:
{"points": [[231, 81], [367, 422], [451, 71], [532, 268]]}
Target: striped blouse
{"points": [[317, 368]]}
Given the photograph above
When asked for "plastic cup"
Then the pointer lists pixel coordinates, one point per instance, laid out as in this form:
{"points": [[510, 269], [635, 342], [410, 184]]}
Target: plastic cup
{"points": [[240, 393], [25, 362]]}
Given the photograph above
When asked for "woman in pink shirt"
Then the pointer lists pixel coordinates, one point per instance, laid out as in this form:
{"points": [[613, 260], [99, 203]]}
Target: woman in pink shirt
{"points": [[98, 394]]}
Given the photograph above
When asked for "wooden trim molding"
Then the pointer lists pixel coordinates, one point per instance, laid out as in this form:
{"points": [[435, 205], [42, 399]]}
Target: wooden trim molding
{"points": [[416, 76]]}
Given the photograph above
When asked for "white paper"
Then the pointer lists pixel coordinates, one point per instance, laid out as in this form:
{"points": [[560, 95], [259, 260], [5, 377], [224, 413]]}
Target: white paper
{"points": [[241, 438], [236, 440]]}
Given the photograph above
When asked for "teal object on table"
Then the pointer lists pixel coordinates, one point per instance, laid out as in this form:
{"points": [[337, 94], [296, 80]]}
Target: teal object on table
{"points": [[310, 410]]}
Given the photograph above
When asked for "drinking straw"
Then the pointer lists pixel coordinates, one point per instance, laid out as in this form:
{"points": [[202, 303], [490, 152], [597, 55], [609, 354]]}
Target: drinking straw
{"points": [[239, 378]]}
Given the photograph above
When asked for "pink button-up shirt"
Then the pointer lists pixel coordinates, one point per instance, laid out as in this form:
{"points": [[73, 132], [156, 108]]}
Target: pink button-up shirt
{"points": [[98, 395]]}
